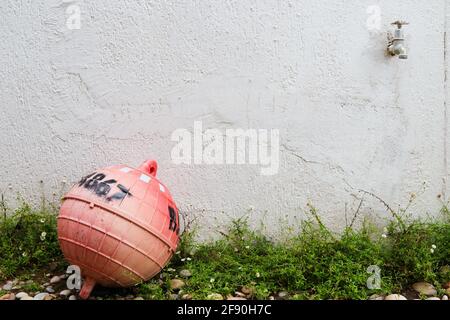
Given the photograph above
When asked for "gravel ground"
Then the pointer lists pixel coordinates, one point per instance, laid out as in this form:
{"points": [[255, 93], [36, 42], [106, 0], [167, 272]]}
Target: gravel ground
{"points": [[54, 287]]}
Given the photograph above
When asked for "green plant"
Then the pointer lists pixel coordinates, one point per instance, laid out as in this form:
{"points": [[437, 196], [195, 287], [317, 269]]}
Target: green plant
{"points": [[313, 264], [318, 264], [28, 240], [31, 287], [151, 290], [418, 252]]}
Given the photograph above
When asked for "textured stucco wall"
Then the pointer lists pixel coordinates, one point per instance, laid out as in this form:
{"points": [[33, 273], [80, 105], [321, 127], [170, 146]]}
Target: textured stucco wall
{"points": [[113, 91]]}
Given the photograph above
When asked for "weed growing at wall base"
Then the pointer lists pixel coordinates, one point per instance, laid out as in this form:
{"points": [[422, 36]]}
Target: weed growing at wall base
{"points": [[28, 240], [315, 264]]}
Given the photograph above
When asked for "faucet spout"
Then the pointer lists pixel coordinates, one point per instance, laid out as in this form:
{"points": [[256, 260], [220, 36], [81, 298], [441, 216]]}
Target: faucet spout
{"points": [[403, 53], [396, 46]]}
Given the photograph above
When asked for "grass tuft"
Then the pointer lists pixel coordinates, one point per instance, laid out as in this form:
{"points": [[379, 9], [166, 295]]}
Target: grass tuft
{"points": [[28, 240]]}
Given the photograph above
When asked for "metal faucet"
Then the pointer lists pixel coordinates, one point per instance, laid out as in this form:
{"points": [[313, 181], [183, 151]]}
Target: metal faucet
{"points": [[396, 45]]}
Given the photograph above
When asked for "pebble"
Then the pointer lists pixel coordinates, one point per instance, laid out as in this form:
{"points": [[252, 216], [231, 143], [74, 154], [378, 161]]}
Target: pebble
{"points": [[186, 296], [176, 284], [173, 296], [425, 288], [50, 289], [8, 296], [215, 296], [41, 296], [55, 279], [376, 297], [433, 298], [8, 286], [138, 298], [445, 297], [239, 294], [395, 297], [22, 294], [65, 293], [185, 273], [27, 298], [5, 297], [283, 294], [72, 297]]}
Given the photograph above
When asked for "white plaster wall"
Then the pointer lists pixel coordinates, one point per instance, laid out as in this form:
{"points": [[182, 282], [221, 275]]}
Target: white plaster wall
{"points": [[112, 92]]}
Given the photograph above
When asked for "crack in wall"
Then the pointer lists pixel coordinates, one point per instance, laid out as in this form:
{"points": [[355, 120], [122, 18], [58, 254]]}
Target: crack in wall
{"points": [[446, 173], [326, 164], [292, 152]]}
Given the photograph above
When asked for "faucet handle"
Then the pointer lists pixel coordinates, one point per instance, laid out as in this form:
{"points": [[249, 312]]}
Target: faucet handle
{"points": [[399, 23]]}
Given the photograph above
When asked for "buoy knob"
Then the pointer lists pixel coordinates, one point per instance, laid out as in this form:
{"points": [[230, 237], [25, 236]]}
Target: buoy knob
{"points": [[150, 167]]}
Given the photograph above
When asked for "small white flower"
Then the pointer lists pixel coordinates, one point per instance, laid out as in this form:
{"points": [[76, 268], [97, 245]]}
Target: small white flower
{"points": [[42, 220], [236, 249], [43, 235], [171, 270], [384, 235], [178, 252], [188, 259], [212, 280], [432, 250], [24, 254], [247, 247], [433, 246], [258, 275]]}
